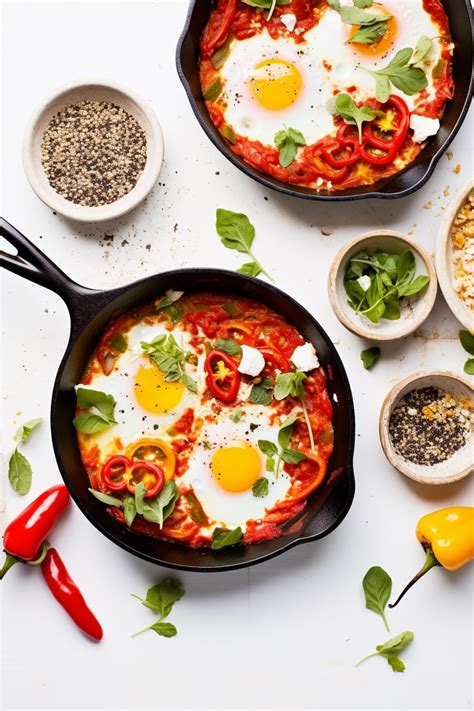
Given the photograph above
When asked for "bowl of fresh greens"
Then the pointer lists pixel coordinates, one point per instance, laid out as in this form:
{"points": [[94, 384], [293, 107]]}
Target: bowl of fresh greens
{"points": [[382, 285]]}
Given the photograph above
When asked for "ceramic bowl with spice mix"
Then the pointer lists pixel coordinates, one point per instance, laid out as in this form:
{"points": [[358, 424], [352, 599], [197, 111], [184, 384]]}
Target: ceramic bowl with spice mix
{"points": [[382, 285], [93, 151], [455, 256], [426, 427]]}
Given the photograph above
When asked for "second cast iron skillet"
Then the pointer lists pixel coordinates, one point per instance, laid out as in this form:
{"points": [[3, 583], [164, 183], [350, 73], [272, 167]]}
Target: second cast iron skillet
{"points": [[90, 311]]}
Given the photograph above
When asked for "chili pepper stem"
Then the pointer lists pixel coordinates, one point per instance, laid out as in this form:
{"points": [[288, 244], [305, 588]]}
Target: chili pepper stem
{"points": [[10, 561], [430, 562], [308, 424], [374, 654]]}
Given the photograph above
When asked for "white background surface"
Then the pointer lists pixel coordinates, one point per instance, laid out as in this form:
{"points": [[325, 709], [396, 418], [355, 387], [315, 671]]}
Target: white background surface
{"points": [[284, 634]]}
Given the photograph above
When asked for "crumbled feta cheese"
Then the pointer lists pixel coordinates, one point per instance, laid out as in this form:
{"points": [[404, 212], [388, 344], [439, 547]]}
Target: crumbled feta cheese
{"points": [[173, 295], [423, 126], [319, 182], [364, 282], [252, 362], [289, 20], [412, 411], [305, 358]]}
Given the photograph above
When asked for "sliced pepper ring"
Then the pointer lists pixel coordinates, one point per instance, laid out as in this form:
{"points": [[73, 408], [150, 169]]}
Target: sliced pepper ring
{"points": [[120, 473], [223, 377], [156, 451]]}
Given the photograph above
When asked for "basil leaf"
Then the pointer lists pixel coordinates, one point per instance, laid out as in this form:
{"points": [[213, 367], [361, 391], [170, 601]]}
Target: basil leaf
{"points": [[396, 645], [119, 343], [392, 310], [369, 34], [164, 629], [363, 3], [270, 465], [104, 403], [158, 509], [228, 345], [213, 91], [189, 383], [267, 447], [19, 473], [377, 585], [106, 499], [335, 4], [396, 664], [292, 456], [228, 133], [414, 287], [221, 538], [467, 341], [250, 269], [260, 488], [140, 491], [196, 511], [370, 357], [23, 433], [469, 366], [289, 384], [356, 16], [287, 140], [129, 510], [265, 4], [345, 107], [262, 394], [235, 230], [422, 48]]}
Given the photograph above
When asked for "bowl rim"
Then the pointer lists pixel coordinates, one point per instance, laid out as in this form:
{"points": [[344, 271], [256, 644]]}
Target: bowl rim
{"points": [[429, 296], [284, 188], [458, 309], [146, 180], [385, 411]]}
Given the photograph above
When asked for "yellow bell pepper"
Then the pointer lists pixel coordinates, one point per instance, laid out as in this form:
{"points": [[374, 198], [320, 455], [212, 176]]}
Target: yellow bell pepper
{"points": [[447, 537]]}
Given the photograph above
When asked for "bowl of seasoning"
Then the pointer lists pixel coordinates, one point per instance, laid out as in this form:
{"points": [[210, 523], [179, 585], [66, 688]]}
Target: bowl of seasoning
{"points": [[382, 285], [455, 256], [426, 427], [93, 151]]}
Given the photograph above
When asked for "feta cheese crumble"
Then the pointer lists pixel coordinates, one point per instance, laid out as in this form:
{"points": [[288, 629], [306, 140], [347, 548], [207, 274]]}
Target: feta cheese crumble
{"points": [[304, 358], [252, 362], [289, 20], [423, 126], [364, 282]]}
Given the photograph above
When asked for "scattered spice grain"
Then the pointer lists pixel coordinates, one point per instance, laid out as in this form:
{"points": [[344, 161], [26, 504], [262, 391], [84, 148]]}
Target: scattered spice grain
{"points": [[93, 152]]}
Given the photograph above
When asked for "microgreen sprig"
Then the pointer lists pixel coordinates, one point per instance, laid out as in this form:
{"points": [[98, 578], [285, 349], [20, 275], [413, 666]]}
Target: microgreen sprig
{"points": [[291, 384], [20, 472], [160, 599], [401, 73], [284, 452], [170, 359], [237, 232]]}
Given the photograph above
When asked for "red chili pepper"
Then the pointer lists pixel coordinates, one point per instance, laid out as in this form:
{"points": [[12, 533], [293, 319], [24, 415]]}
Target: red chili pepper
{"points": [[227, 374], [276, 358], [68, 594], [324, 170], [218, 26], [119, 473], [24, 538]]}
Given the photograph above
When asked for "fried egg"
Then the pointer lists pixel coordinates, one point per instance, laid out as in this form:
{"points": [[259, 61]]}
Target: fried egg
{"points": [[270, 84]]}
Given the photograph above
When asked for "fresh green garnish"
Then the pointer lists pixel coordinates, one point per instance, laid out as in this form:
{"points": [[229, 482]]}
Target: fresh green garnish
{"points": [[401, 74], [467, 341], [283, 453], [372, 27], [392, 278], [260, 488], [119, 343], [422, 48], [221, 54], [266, 5], [377, 585], [291, 385], [170, 359], [231, 309], [369, 34], [101, 411], [228, 132], [237, 232], [236, 416], [287, 141], [344, 106], [170, 308], [391, 649], [262, 393], [213, 91], [469, 366], [363, 3], [228, 345], [160, 599], [370, 357], [222, 538], [107, 499], [154, 510], [19, 469]]}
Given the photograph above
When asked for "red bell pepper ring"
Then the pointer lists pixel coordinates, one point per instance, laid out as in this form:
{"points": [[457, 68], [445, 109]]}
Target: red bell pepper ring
{"points": [[324, 170], [334, 146], [223, 383], [68, 595], [390, 145], [218, 26], [276, 358], [120, 473], [25, 536]]}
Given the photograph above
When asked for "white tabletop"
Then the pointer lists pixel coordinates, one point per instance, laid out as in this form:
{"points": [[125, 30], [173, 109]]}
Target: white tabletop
{"points": [[284, 634]]}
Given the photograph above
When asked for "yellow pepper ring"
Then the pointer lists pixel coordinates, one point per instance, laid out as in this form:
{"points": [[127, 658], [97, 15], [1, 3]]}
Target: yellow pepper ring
{"points": [[156, 451]]}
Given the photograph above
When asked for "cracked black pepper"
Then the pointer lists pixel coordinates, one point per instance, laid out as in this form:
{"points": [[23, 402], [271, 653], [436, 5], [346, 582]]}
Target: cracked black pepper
{"points": [[429, 425], [93, 152]]}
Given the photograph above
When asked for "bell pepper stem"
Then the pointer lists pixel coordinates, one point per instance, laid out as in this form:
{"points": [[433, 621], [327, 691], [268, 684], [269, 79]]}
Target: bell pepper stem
{"points": [[10, 561], [430, 562]]}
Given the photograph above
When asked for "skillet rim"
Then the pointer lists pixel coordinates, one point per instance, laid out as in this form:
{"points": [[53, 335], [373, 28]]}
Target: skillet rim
{"points": [[76, 294], [282, 187]]}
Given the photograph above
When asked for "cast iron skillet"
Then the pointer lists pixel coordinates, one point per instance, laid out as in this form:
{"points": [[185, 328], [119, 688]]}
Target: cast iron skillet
{"points": [[399, 185], [90, 311]]}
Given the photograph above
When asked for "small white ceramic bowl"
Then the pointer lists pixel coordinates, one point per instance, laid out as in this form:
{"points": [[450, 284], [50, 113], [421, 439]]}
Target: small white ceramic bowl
{"points": [[444, 260], [414, 311], [456, 467], [92, 91]]}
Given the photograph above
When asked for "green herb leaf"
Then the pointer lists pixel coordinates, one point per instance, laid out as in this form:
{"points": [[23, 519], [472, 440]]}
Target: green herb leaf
{"points": [[287, 140], [228, 133], [23, 433], [377, 585], [369, 34], [106, 499], [391, 649], [289, 384], [19, 473], [250, 269], [140, 491], [260, 488], [213, 91], [236, 416], [230, 308], [170, 359], [396, 664], [129, 510], [363, 3], [401, 74], [88, 423], [196, 511], [292, 456], [236, 232], [101, 413], [270, 465], [422, 48], [262, 394], [351, 114], [267, 447], [469, 366], [164, 629], [160, 599], [357, 16], [370, 357], [265, 4], [158, 509], [221, 54], [285, 433], [119, 343], [221, 538], [228, 345], [335, 4], [414, 287], [467, 341]]}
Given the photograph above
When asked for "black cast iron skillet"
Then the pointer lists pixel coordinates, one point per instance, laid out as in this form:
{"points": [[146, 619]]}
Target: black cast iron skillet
{"points": [[90, 311], [399, 185]]}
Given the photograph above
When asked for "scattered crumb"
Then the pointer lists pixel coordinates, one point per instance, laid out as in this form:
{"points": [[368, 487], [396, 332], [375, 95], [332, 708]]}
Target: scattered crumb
{"points": [[326, 231], [449, 155], [446, 191], [410, 233], [148, 247], [428, 205], [457, 169], [124, 243]]}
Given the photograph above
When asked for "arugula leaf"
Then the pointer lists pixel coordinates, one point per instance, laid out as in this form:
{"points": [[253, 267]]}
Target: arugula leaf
{"points": [[222, 538], [377, 585], [157, 510], [369, 34], [237, 232], [390, 650], [287, 141], [228, 345], [469, 366], [101, 413], [400, 73], [23, 433], [260, 488], [467, 341], [370, 357], [160, 599], [170, 359], [213, 91], [107, 499], [262, 393], [164, 629], [19, 473], [129, 510], [422, 48], [351, 114]]}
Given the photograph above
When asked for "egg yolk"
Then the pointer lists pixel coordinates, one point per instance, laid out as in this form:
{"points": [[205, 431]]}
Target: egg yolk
{"points": [[154, 393], [379, 48], [236, 468], [276, 84]]}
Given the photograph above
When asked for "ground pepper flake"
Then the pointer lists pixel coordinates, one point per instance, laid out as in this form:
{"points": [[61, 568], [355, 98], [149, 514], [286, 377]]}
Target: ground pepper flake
{"points": [[93, 152], [429, 425]]}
